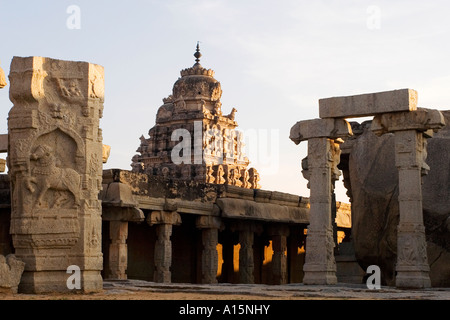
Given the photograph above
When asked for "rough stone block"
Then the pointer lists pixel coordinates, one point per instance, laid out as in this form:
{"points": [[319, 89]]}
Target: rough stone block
{"points": [[368, 104], [11, 270]]}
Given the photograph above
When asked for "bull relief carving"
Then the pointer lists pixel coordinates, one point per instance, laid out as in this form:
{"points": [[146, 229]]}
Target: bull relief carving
{"points": [[46, 176]]}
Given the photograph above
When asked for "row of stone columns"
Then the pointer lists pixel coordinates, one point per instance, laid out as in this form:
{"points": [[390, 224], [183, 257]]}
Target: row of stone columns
{"points": [[411, 129], [210, 227]]}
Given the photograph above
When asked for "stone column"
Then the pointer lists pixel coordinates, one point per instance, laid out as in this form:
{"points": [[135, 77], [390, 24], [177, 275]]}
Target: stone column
{"points": [[210, 233], [323, 136], [164, 220], [296, 258], [279, 259], [118, 254], [246, 233], [119, 207], [246, 260], [411, 129], [55, 162], [163, 253]]}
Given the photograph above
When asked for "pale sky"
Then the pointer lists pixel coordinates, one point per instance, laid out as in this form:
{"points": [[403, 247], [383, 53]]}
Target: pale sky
{"points": [[274, 59]]}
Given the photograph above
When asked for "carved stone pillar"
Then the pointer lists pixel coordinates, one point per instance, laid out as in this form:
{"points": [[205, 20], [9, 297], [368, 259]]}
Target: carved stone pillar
{"points": [[163, 253], [164, 220], [246, 261], [118, 252], [210, 233], [55, 162], [296, 255], [323, 157], [411, 129], [119, 207], [279, 259], [246, 233]]}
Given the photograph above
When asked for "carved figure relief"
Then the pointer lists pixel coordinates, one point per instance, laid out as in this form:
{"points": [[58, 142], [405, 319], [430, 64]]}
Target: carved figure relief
{"points": [[97, 87], [254, 178], [209, 175], [244, 179], [46, 175], [217, 108], [234, 177], [69, 88], [232, 114], [219, 179], [413, 251], [200, 173], [181, 104]]}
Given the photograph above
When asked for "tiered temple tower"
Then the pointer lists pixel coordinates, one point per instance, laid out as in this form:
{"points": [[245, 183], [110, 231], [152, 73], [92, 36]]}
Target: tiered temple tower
{"points": [[211, 149]]}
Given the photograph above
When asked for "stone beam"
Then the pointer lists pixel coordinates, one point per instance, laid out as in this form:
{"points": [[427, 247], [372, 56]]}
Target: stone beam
{"points": [[320, 128], [368, 104]]}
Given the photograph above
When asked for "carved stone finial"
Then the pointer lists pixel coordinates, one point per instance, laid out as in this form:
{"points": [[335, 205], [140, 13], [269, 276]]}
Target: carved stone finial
{"points": [[197, 55]]}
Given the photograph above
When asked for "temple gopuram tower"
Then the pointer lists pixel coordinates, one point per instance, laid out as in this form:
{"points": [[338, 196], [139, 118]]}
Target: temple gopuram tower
{"points": [[192, 139]]}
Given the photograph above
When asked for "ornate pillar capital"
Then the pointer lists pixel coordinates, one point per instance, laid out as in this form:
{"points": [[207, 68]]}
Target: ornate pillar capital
{"points": [[164, 217]]}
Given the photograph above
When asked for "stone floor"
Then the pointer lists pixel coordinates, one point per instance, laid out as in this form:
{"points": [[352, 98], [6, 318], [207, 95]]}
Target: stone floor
{"points": [[279, 292], [144, 290]]}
